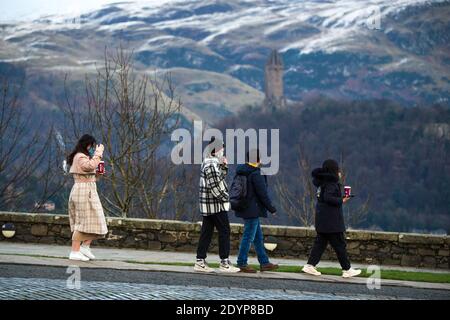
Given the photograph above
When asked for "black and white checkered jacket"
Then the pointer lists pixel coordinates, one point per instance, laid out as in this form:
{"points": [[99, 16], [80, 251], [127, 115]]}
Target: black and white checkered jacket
{"points": [[213, 194]]}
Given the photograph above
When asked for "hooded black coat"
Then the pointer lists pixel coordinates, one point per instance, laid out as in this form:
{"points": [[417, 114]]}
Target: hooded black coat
{"points": [[329, 214], [257, 196]]}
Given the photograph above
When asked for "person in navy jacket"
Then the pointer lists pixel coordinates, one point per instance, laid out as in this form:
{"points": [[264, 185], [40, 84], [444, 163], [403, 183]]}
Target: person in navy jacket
{"points": [[258, 203]]}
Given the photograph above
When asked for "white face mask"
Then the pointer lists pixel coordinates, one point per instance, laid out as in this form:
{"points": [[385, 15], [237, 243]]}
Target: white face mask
{"points": [[220, 153]]}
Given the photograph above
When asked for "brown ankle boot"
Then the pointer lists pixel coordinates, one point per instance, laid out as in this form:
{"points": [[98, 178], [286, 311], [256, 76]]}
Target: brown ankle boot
{"points": [[268, 267], [247, 269]]}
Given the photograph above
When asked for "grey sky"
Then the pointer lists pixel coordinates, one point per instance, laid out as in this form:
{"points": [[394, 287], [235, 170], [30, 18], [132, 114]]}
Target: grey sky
{"points": [[11, 10]]}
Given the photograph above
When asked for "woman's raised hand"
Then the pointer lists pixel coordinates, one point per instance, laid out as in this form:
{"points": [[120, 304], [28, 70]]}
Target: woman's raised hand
{"points": [[99, 149]]}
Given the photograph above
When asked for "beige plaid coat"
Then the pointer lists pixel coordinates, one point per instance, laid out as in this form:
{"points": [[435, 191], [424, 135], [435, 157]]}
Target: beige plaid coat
{"points": [[85, 209]]}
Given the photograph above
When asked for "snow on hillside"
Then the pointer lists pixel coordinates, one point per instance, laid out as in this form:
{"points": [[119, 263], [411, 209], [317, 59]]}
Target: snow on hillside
{"points": [[356, 49], [335, 22]]}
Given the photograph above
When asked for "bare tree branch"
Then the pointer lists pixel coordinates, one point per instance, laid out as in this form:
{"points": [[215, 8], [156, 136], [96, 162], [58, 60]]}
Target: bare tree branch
{"points": [[132, 115]]}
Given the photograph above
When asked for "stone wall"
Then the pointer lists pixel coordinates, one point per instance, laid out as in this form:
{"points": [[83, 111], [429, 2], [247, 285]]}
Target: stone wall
{"points": [[405, 249]]}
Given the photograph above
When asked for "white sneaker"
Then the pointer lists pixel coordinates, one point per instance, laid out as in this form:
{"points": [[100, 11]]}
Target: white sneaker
{"points": [[77, 255], [87, 252], [202, 266], [307, 268], [226, 266], [350, 273]]}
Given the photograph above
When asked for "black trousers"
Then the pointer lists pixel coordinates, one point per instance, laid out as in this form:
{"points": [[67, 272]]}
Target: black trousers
{"points": [[337, 241], [221, 222]]}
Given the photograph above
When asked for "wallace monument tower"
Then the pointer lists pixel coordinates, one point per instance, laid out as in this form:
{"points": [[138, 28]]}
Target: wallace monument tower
{"points": [[274, 82]]}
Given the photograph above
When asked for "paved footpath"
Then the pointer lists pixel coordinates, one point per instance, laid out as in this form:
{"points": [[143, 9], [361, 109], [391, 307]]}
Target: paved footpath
{"points": [[30, 271]]}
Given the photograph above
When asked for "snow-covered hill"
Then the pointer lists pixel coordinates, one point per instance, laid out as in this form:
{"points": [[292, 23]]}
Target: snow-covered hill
{"points": [[349, 49]]}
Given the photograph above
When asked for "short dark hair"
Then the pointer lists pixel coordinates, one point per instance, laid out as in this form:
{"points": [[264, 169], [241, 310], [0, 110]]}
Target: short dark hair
{"points": [[215, 144], [252, 154]]}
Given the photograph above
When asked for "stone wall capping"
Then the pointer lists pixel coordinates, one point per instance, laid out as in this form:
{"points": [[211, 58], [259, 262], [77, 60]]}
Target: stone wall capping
{"points": [[385, 236], [421, 238], [358, 235], [236, 228], [311, 233], [274, 231], [297, 232]]}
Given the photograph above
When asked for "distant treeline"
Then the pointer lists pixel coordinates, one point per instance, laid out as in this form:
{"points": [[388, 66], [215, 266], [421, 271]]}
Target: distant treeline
{"points": [[397, 157]]}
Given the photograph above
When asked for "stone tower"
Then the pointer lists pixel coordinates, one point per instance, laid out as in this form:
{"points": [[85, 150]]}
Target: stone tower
{"points": [[274, 82]]}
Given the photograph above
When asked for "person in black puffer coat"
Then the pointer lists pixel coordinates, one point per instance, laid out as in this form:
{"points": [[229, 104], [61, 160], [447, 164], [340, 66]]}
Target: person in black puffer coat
{"points": [[329, 220]]}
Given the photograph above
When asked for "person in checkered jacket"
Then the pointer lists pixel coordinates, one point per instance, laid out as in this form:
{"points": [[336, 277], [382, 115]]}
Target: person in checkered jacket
{"points": [[214, 207]]}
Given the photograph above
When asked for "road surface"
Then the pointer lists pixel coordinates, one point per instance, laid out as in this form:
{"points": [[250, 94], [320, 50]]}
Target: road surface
{"points": [[51, 282]]}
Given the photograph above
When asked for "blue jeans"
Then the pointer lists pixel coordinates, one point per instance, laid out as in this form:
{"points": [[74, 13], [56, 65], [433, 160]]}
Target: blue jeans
{"points": [[252, 234]]}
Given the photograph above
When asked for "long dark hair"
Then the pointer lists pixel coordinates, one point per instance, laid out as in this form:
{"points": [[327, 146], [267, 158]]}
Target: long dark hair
{"points": [[81, 146]]}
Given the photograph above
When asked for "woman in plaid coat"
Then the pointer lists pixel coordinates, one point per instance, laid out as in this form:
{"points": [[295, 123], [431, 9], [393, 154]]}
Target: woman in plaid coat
{"points": [[87, 220]]}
